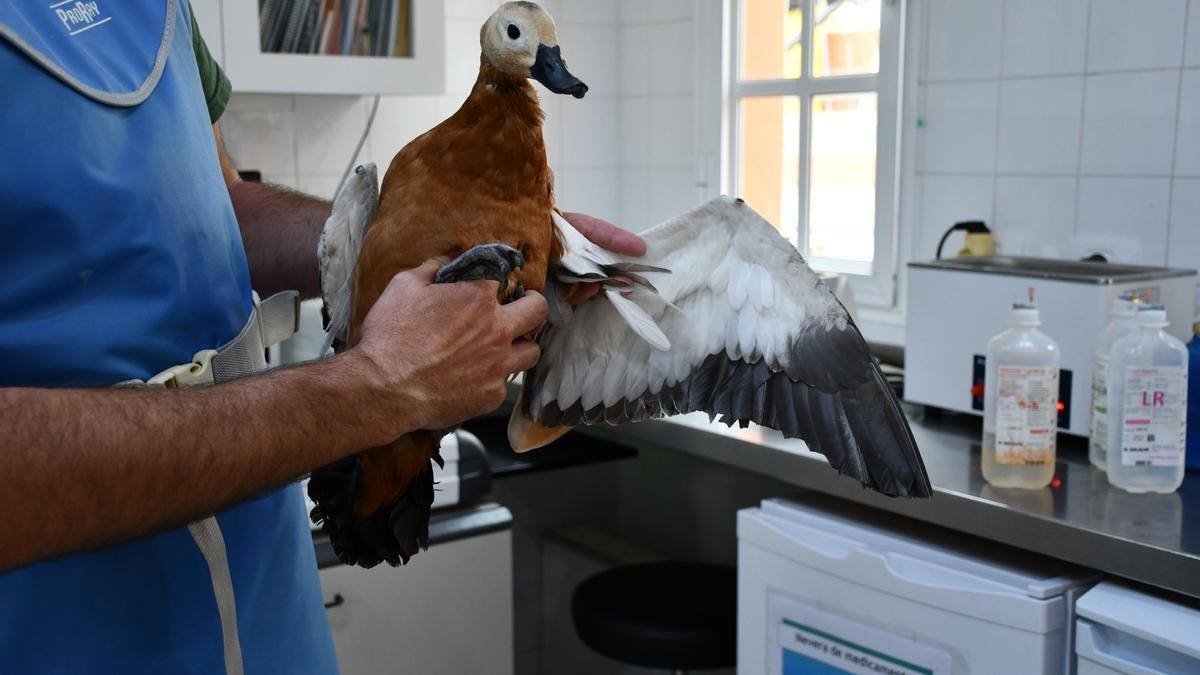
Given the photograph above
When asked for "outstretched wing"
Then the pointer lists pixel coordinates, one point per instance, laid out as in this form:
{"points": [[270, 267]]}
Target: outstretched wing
{"points": [[754, 336], [353, 211]]}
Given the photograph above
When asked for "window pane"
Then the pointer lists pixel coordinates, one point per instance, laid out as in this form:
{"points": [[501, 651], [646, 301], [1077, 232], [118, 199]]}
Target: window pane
{"points": [[769, 161], [846, 37], [770, 39], [841, 206]]}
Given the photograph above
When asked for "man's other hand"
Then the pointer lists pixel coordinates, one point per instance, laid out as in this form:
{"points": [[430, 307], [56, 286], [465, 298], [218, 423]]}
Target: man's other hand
{"points": [[446, 350], [604, 234]]}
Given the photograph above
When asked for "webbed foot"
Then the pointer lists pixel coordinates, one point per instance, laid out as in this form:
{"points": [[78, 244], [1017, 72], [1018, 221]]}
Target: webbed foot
{"points": [[486, 261]]}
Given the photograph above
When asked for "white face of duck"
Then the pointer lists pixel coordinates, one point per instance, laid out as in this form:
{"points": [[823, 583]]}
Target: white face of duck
{"points": [[520, 39]]}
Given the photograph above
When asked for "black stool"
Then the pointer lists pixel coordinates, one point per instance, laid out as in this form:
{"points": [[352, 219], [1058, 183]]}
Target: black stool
{"points": [[671, 615]]}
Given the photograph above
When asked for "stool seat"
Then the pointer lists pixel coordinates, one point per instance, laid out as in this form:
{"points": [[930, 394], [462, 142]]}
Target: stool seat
{"points": [[670, 615]]}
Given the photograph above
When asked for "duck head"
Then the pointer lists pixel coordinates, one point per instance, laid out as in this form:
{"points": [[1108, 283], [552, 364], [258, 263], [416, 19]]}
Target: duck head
{"points": [[520, 39]]}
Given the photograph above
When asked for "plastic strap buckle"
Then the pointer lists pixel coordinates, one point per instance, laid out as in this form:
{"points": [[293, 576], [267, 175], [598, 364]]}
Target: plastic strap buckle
{"points": [[271, 321]]}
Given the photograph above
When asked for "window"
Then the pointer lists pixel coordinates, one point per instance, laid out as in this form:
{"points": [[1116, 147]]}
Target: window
{"points": [[812, 115]]}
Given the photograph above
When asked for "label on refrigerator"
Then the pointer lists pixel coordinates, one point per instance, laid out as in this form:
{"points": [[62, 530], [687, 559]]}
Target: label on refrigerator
{"points": [[1152, 424], [1026, 414], [1100, 402], [809, 641]]}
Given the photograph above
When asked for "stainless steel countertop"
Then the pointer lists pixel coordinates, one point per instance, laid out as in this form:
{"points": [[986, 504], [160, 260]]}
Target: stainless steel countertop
{"points": [[1078, 271], [1154, 539]]}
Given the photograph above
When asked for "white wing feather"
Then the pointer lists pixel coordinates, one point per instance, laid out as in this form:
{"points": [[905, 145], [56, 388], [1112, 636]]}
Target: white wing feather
{"points": [[740, 327], [353, 211]]}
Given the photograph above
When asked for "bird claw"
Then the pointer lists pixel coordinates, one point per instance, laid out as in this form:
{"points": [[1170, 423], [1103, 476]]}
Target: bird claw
{"points": [[516, 293], [486, 261]]}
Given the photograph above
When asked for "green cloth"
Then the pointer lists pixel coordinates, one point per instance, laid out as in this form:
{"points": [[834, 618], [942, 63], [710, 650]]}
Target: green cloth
{"points": [[216, 85]]}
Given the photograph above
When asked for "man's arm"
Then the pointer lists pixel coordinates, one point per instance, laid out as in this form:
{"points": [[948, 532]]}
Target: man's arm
{"points": [[84, 468], [280, 230]]}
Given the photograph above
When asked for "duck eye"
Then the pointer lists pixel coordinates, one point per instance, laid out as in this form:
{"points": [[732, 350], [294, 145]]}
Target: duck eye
{"points": [[513, 32]]}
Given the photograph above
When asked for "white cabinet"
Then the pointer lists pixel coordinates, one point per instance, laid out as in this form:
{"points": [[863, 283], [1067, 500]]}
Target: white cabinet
{"points": [[449, 611], [1123, 630], [822, 583], [231, 29]]}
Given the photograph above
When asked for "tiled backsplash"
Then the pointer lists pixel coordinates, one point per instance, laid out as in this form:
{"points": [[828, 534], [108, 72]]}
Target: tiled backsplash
{"points": [[1063, 124], [658, 111]]}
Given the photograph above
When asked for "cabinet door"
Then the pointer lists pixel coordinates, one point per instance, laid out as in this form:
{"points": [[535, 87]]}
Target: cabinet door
{"points": [[450, 610], [277, 71]]}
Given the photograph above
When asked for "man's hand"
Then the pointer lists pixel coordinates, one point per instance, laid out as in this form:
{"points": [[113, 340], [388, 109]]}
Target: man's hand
{"points": [[603, 233], [448, 349]]}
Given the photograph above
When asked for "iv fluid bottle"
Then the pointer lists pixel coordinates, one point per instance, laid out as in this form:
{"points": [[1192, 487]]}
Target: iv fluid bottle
{"points": [[1192, 460], [1020, 403], [1122, 324], [1147, 405]]}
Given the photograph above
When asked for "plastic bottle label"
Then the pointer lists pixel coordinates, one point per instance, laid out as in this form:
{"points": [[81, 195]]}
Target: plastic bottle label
{"points": [[1100, 402], [1026, 414], [1152, 422]]}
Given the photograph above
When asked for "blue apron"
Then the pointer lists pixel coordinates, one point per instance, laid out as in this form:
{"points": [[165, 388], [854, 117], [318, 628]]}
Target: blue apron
{"points": [[121, 256]]}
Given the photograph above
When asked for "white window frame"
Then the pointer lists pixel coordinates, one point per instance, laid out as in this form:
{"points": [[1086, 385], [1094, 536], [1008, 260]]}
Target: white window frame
{"points": [[877, 289]]}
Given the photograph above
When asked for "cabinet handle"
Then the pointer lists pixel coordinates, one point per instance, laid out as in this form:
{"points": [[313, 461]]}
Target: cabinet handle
{"points": [[336, 601]]}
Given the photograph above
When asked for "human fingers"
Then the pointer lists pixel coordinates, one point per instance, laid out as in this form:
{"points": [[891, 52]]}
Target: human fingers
{"points": [[524, 355], [582, 292], [425, 271], [604, 233], [525, 314]]}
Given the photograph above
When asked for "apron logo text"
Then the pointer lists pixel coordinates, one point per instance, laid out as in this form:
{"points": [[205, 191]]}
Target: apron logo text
{"points": [[79, 16]]}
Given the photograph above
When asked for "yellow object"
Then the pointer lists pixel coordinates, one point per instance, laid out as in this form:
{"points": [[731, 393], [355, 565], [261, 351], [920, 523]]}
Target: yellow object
{"points": [[982, 243]]}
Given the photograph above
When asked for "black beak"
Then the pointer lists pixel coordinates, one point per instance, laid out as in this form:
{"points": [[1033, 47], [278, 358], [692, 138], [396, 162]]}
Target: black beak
{"points": [[549, 69]]}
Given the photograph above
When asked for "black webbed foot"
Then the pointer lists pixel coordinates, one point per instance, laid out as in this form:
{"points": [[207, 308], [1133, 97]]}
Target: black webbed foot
{"points": [[486, 261], [393, 534]]}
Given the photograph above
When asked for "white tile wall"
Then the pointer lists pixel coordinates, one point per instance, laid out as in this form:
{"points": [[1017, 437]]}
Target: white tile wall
{"points": [[260, 133], [1129, 123], [1044, 38], [673, 134], [1187, 141], [1039, 210], [592, 127], [672, 192], [635, 198], [658, 111], [587, 12], [1127, 207], [964, 39], [960, 127], [327, 130], [1184, 238], [398, 121], [590, 53], [1039, 125], [669, 68], [633, 47], [1191, 55], [1134, 35], [635, 131], [594, 191]]}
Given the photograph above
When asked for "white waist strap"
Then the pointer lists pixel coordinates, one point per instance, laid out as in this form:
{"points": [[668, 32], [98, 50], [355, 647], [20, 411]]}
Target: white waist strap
{"points": [[271, 321]]}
